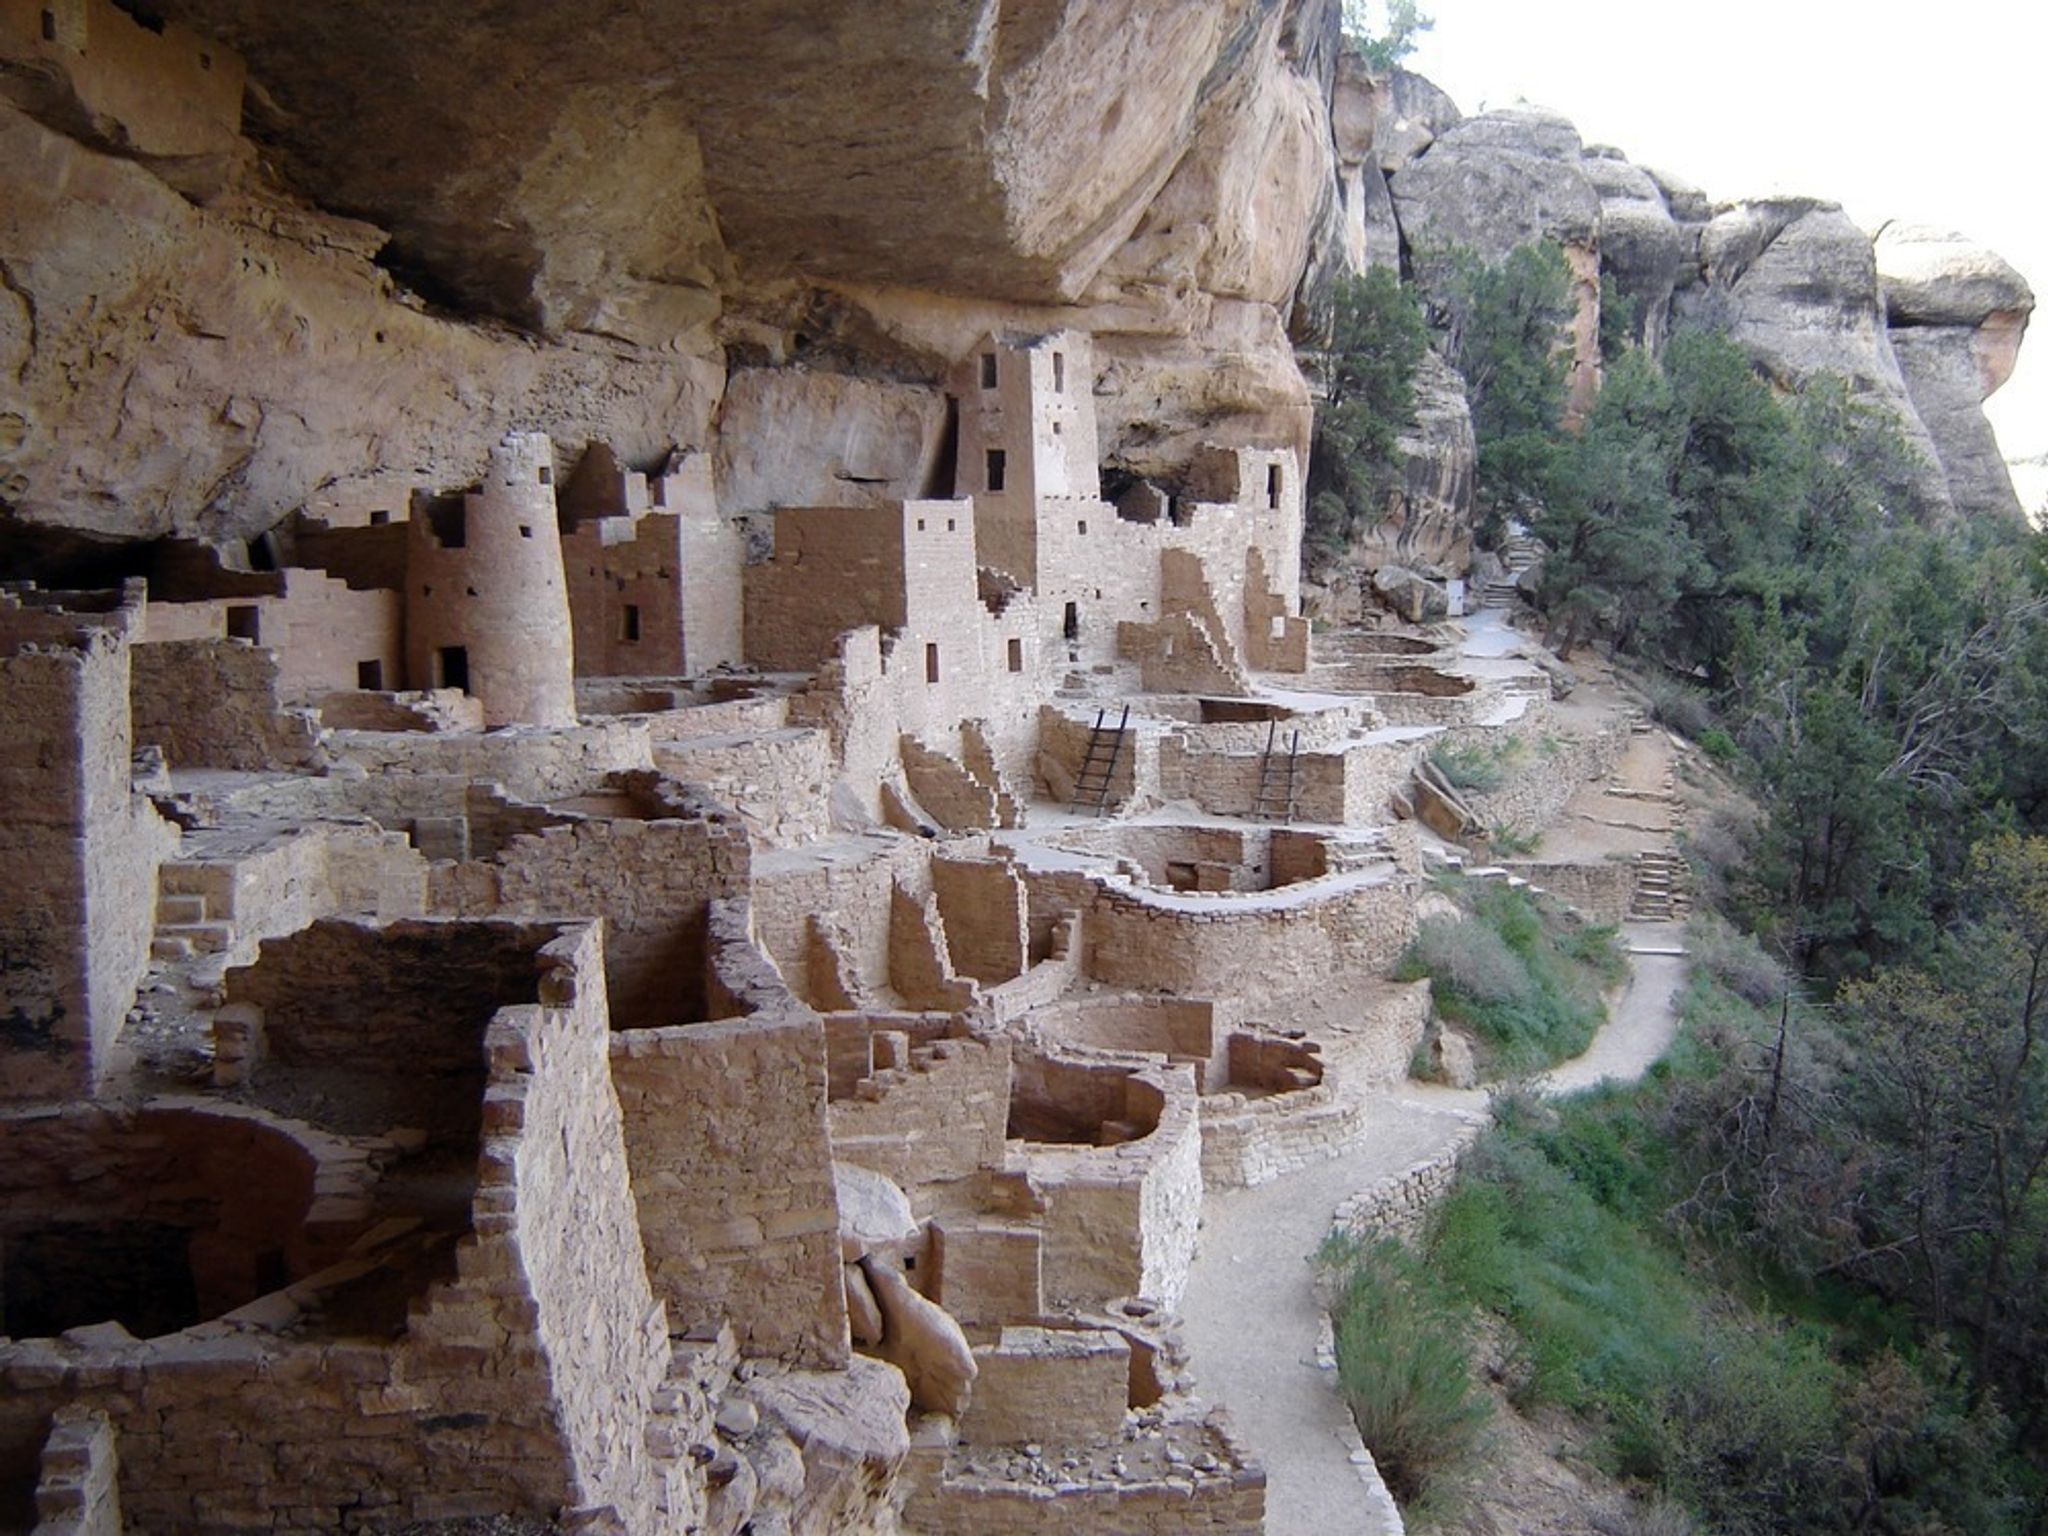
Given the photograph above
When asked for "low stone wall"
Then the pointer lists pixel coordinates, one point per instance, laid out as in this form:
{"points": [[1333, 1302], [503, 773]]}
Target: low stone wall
{"points": [[1120, 1220], [1550, 766], [1603, 891], [1260, 945], [937, 1117], [1399, 1206], [731, 1159], [534, 763], [1248, 1141], [780, 782]]}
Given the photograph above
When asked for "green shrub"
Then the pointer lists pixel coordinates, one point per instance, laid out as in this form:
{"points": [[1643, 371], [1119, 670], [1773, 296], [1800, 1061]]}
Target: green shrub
{"points": [[1405, 1370], [1684, 709], [1480, 767], [1510, 844], [1525, 980], [1719, 745], [1736, 961]]}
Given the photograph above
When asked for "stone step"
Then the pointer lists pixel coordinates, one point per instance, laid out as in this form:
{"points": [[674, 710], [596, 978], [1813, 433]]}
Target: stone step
{"points": [[173, 910], [205, 938]]}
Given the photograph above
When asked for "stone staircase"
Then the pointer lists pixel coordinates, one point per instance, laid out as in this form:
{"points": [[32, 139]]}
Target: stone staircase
{"points": [[1660, 894], [189, 919], [1521, 554]]}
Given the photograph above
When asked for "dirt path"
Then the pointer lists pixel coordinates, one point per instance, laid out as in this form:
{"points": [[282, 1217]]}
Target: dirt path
{"points": [[1253, 1324], [1251, 1319], [1642, 1024]]}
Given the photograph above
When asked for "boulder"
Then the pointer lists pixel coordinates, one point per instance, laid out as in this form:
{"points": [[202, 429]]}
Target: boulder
{"points": [[863, 1314], [920, 1338], [1411, 594], [1937, 277], [1411, 114], [1496, 182], [1503, 180], [850, 1426], [1450, 1053], [874, 1213]]}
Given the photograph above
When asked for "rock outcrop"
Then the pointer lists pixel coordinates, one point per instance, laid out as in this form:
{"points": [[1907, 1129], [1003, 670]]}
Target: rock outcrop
{"points": [[1793, 281], [1428, 515], [1505, 179], [1956, 313], [583, 223], [1642, 247]]}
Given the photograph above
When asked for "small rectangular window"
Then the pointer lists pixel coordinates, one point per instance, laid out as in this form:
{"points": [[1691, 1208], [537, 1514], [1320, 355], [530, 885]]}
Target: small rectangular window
{"points": [[1059, 373], [1273, 486], [629, 623], [931, 663], [379, 519], [49, 26], [242, 621], [547, 475], [998, 462], [988, 370], [920, 525], [951, 525], [525, 531], [1016, 655], [1080, 525], [370, 676], [452, 662]]}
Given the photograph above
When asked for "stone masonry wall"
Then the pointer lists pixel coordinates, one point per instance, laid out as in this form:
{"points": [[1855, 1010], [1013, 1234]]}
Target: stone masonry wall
{"points": [[80, 850], [727, 1137], [938, 1118], [603, 1334], [218, 704], [780, 781], [534, 765], [1602, 891], [982, 905], [521, 1385], [649, 880]]}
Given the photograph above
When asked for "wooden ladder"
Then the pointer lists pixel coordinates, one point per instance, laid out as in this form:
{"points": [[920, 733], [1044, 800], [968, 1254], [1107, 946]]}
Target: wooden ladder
{"points": [[1098, 766], [1277, 787]]}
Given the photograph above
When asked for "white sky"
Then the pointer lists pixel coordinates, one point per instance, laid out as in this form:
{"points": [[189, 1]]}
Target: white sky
{"points": [[1931, 113]]}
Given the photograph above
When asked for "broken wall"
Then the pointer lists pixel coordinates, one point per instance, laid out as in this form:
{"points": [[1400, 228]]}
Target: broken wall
{"points": [[78, 906]]}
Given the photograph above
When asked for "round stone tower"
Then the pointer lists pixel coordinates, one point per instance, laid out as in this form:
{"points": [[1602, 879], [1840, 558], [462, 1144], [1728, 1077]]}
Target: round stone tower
{"points": [[486, 605]]}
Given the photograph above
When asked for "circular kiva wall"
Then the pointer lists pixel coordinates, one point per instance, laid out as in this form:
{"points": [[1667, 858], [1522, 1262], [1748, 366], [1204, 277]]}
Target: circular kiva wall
{"points": [[156, 1219]]}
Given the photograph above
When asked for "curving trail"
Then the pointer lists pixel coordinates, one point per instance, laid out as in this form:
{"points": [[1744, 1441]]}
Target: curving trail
{"points": [[1251, 1319]]}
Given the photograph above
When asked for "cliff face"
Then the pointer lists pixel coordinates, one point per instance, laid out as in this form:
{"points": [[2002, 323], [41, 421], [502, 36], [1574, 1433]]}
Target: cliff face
{"points": [[256, 256], [424, 230], [1923, 324]]}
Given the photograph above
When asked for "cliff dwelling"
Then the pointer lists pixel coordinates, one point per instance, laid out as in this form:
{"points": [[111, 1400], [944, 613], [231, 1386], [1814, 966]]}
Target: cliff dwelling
{"points": [[650, 878]]}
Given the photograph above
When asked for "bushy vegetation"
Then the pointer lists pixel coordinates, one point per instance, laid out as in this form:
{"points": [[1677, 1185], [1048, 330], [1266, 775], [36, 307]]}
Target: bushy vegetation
{"points": [[1377, 340], [1885, 676], [1523, 978], [1405, 1370], [1480, 766], [1799, 1278], [1755, 1416], [1384, 41]]}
